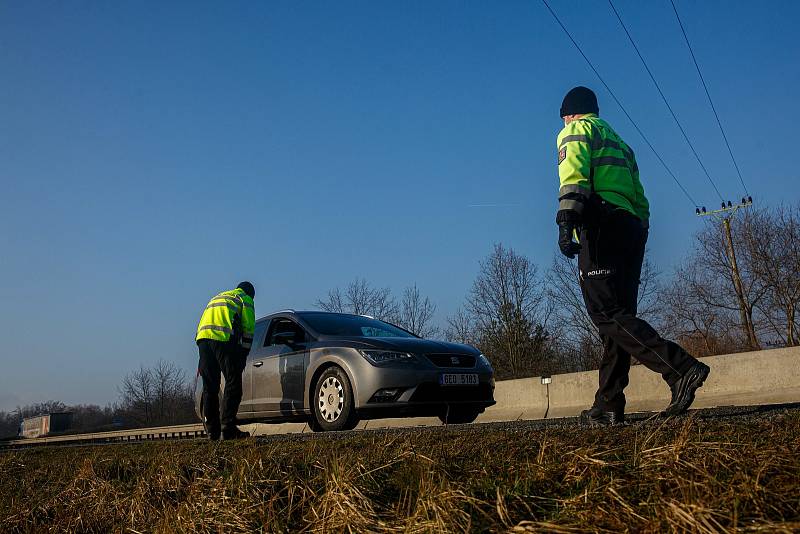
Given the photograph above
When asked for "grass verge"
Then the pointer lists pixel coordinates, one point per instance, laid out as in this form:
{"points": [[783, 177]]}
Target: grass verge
{"points": [[686, 474]]}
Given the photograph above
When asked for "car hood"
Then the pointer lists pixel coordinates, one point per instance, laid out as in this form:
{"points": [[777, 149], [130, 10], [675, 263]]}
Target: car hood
{"points": [[403, 344]]}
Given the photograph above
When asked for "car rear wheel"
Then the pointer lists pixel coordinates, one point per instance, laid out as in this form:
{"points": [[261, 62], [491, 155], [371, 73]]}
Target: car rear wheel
{"points": [[459, 415], [333, 402]]}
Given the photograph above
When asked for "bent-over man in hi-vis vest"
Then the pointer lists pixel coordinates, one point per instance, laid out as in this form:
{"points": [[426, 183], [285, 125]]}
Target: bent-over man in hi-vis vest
{"points": [[602, 204], [224, 338]]}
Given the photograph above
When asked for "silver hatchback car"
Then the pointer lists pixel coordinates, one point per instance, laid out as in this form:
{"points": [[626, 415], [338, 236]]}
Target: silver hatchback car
{"points": [[333, 370]]}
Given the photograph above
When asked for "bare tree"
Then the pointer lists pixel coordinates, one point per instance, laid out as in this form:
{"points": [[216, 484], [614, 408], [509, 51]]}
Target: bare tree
{"points": [[576, 338], [648, 306], [771, 250], [718, 291], [360, 298], [137, 395], [161, 395], [703, 311], [335, 302], [564, 291], [91, 417], [173, 391], [508, 305], [41, 408], [416, 313], [701, 329], [461, 328], [9, 424]]}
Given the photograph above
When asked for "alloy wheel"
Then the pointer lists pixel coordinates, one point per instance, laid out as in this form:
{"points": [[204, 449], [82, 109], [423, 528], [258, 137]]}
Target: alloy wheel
{"points": [[331, 399]]}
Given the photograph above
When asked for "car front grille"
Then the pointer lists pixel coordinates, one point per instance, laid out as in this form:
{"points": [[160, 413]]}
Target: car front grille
{"points": [[452, 360], [431, 392]]}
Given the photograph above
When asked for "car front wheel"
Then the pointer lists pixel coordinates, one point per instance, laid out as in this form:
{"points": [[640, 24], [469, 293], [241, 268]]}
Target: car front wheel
{"points": [[333, 402]]}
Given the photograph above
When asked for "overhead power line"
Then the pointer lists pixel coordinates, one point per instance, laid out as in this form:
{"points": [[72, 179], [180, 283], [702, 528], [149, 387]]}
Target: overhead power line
{"points": [[664, 98], [696, 66], [636, 126]]}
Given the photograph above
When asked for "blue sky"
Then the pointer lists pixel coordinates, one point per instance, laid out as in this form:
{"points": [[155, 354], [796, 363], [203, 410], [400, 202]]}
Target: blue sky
{"points": [[152, 154]]}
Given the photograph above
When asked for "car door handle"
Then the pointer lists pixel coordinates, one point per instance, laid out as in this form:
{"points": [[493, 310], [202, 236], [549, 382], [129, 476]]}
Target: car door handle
{"points": [[258, 364]]}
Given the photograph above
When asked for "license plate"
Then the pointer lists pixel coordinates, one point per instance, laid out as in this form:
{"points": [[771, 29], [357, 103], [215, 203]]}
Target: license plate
{"points": [[459, 379]]}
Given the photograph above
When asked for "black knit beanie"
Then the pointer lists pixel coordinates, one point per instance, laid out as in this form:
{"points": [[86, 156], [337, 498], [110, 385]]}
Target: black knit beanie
{"points": [[248, 288], [579, 100]]}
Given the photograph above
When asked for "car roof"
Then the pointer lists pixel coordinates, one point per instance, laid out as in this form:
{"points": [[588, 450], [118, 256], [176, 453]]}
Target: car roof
{"points": [[297, 316], [300, 313]]}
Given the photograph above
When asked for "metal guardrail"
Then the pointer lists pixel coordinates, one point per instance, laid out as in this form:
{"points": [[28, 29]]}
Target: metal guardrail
{"points": [[115, 436]]}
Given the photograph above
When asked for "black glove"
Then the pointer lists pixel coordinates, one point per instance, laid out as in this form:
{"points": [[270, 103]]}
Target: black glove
{"points": [[568, 247]]}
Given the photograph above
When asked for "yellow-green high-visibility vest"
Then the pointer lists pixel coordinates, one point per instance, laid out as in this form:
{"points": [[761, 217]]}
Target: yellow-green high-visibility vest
{"points": [[593, 159], [229, 312]]}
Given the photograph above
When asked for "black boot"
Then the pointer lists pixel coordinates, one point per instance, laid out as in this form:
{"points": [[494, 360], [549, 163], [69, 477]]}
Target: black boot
{"points": [[684, 389], [597, 417], [234, 433]]}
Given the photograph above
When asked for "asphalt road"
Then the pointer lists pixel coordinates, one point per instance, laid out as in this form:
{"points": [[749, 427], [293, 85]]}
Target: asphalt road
{"points": [[727, 413]]}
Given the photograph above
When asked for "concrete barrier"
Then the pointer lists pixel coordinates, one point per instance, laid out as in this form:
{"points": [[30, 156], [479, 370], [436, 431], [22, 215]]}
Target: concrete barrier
{"points": [[748, 378], [523, 398], [761, 377]]}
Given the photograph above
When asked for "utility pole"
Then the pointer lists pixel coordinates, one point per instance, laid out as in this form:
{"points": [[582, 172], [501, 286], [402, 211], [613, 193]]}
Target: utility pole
{"points": [[725, 214]]}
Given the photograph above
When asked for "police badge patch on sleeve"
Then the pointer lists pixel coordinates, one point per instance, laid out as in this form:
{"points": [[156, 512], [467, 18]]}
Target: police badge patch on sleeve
{"points": [[562, 154]]}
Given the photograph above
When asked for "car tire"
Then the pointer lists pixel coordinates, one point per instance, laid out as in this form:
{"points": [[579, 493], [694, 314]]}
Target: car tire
{"points": [[332, 399], [459, 415]]}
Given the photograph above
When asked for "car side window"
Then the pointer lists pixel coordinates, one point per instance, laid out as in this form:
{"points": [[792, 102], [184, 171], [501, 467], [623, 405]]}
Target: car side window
{"points": [[279, 328], [258, 335]]}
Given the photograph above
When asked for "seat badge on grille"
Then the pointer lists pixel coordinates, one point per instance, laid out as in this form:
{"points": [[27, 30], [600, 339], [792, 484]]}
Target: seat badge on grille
{"points": [[454, 360]]}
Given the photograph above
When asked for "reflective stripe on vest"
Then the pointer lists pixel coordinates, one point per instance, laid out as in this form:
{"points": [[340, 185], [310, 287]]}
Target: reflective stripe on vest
{"points": [[217, 328]]}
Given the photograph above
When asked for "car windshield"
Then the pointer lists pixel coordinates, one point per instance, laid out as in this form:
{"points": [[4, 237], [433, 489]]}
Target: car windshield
{"points": [[340, 324]]}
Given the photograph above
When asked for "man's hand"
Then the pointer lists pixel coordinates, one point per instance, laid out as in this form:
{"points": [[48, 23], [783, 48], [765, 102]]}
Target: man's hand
{"points": [[568, 247]]}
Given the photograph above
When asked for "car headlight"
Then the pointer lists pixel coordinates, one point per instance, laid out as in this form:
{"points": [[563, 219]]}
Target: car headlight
{"points": [[378, 357], [485, 361]]}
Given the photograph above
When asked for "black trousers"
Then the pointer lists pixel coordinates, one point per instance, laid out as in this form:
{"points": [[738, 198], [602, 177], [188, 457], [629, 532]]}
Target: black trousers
{"points": [[610, 263], [217, 357]]}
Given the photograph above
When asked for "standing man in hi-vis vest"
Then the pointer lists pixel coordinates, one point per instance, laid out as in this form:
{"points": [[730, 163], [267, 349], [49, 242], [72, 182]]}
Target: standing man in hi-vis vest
{"points": [[602, 204], [224, 338]]}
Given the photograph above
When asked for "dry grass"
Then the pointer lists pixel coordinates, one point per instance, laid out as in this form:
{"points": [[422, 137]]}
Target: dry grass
{"points": [[685, 475]]}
